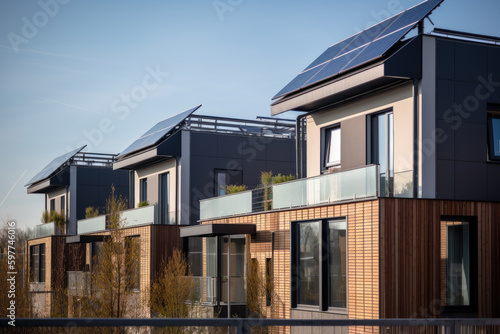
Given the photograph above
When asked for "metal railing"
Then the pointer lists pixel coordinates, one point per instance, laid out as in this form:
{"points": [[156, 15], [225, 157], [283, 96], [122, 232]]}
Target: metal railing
{"points": [[132, 217], [205, 289], [244, 325], [335, 187]]}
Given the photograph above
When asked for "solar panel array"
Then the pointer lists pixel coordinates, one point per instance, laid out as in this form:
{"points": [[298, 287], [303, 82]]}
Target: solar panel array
{"points": [[53, 166], [365, 46], [158, 132]]}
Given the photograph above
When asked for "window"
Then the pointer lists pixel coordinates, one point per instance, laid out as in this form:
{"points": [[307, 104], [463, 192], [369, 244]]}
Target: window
{"points": [[164, 199], [269, 281], [382, 149], [225, 177], [37, 263], [52, 205], [459, 263], [143, 189], [332, 147], [63, 205], [319, 264], [132, 258], [494, 135], [237, 272], [195, 255]]}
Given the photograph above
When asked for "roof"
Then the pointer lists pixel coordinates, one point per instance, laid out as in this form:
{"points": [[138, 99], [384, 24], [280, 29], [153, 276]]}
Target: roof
{"points": [[357, 51]]}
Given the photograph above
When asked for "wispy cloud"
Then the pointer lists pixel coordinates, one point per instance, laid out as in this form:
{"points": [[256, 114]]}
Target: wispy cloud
{"points": [[52, 54], [70, 105]]}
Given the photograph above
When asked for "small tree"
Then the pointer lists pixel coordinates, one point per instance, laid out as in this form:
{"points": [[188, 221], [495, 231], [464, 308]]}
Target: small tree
{"points": [[91, 212]]}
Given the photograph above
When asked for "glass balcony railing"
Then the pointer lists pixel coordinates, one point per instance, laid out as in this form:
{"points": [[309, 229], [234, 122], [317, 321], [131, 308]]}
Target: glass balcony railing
{"points": [[228, 205], [329, 188], [133, 217], [205, 289], [46, 230], [90, 225]]}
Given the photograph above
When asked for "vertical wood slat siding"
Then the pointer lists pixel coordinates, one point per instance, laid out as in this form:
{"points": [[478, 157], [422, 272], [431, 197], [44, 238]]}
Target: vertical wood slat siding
{"points": [[411, 247]]}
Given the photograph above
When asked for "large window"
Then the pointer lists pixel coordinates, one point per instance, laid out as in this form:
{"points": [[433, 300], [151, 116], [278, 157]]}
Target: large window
{"points": [[382, 149], [63, 205], [164, 199], [52, 205], [494, 135], [133, 262], [332, 147], [37, 263], [459, 258], [319, 264], [143, 189]]}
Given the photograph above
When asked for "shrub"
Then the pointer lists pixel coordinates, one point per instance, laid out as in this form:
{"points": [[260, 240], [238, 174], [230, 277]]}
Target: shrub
{"points": [[45, 217], [143, 203], [91, 212], [234, 188], [283, 178]]}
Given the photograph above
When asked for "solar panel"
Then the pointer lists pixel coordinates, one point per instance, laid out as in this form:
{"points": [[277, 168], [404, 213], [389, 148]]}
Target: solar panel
{"points": [[53, 166], [363, 47], [159, 131]]}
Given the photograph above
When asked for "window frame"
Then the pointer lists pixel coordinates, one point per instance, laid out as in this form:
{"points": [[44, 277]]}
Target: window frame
{"points": [[52, 204], [327, 145], [37, 263], [164, 197], [324, 266], [473, 266], [491, 144], [389, 139]]}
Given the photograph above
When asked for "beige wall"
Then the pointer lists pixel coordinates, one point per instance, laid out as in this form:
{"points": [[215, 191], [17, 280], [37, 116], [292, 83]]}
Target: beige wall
{"points": [[56, 195], [400, 99], [152, 173]]}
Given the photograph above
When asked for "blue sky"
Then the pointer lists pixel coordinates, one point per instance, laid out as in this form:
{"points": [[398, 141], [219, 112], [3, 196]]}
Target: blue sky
{"points": [[109, 70]]}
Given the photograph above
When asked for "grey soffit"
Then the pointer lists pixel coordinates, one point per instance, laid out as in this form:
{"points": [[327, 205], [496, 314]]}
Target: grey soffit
{"points": [[79, 238], [366, 46], [207, 230], [53, 166], [158, 132]]}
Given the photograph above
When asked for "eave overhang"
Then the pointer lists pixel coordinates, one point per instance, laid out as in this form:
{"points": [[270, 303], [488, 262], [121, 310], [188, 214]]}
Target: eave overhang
{"points": [[212, 230]]}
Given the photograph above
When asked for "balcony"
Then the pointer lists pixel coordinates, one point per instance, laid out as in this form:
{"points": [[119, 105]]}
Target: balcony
{"points": [[134, 217], [46, 230], [330, 188], [206, 290]]}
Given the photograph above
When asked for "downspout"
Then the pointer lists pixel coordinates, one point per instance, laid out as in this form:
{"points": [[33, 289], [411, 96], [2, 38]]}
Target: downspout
{"points": [[298, 146], [177, 213], [415, 138]]}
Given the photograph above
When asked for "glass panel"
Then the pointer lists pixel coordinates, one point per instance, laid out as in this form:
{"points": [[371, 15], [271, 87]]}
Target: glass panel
{"points": [[42, 263], [144, 189], [195, 256], [338, 266], [228, 205], [91, 225], [52, 205], [308, 237], [237, 264], [495, 129], [45, 230], [458, 264], [333, 147], [211, 246], [34, 264], [133, 256], [164, 198], [382, 150], [63, 205], [221, 183], [139, 216]]}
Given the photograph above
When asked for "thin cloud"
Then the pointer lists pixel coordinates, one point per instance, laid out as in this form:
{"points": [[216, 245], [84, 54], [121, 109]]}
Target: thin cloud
{"points": [[19, 179], [70, 105]]}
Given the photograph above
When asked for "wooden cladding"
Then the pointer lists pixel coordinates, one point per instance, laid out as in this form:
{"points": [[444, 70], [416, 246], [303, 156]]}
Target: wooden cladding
{"points": [[413, 250]]}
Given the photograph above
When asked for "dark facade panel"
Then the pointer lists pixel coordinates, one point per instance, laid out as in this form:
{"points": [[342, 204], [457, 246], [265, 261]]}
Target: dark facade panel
{"points": [[203, 144], [445, 99], [471, 142], [278, 149], [445, 59], [446, 146], [353, 142], [470, 107], [493, 182], [471, 181], [229, 146], [470, 61], [446, 179]]}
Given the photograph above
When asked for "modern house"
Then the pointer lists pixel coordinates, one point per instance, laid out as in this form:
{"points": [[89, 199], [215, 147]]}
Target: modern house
{"points": [[179, 161], [397, 212], [70, 183]]}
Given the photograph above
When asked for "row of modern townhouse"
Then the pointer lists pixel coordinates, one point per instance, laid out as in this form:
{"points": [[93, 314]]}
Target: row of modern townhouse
{"points": [[395, 212]]}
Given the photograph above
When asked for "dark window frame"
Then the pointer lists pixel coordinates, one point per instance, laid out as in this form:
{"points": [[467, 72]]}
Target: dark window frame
{"points": [[37, 263], [52, 204], [473, 259], [491, 144], [324, 266], [164, 203], [327, 145], [134, 267], [372, 149], [230, 177]]}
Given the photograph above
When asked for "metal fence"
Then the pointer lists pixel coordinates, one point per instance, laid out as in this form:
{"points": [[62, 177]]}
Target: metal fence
{"points": [[245, 325]]}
